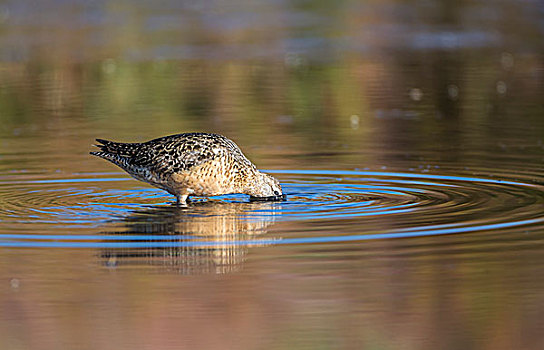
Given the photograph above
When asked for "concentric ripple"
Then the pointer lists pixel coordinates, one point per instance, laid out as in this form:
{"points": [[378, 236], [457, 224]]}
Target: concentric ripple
{"points": [[110, 210]]}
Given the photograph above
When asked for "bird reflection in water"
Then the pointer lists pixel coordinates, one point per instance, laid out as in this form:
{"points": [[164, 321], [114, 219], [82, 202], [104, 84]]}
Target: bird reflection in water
{"points": [[203, 237]]}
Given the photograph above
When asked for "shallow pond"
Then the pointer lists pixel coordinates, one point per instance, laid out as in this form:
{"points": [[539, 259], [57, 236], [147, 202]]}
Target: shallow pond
{"points": [[409, 141]]}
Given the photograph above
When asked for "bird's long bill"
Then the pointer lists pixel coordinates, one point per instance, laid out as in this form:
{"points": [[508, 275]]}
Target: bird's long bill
{"points": [[281, 197]]}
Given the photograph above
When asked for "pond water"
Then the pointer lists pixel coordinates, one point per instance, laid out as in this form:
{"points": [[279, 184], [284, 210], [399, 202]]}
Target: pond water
{"points": [[407, 135]]}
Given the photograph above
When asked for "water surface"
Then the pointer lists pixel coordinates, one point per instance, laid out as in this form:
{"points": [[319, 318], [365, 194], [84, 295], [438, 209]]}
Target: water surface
{"points": [[408, 136]]}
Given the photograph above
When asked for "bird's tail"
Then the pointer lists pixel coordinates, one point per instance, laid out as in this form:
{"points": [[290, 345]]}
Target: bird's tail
{"points": [[116, 152]]}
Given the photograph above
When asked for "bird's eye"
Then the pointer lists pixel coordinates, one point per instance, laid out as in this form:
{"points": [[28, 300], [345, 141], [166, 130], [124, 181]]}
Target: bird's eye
{"points": [[276, 193]]}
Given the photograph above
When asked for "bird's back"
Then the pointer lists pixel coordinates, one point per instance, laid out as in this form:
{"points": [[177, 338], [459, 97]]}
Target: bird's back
{"points": [[182, 152]]}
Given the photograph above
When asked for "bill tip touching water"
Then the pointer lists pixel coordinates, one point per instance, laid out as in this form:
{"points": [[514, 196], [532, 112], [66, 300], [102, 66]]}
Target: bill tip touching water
{"points": [[192, 164]]}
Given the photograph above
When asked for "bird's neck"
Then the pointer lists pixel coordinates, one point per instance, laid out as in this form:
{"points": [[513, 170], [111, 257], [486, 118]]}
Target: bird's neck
{"points": [[249, 181]]}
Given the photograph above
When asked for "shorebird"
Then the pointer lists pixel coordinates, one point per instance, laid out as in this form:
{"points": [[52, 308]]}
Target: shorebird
{"points": [[192, 164]]}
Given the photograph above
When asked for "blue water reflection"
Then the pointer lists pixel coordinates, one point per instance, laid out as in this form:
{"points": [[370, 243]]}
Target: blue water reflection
{"points": [[411, 201]]}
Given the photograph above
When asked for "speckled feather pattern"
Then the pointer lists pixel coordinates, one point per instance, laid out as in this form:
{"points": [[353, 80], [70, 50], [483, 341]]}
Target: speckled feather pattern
{"points": [[198, 164]]}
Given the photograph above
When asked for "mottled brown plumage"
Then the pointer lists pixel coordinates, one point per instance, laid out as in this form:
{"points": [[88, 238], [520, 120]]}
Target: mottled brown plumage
{"points": [[199, 164]]}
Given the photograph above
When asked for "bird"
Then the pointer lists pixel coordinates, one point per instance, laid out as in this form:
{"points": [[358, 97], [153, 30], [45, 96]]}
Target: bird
{"points": [[192, 164]]}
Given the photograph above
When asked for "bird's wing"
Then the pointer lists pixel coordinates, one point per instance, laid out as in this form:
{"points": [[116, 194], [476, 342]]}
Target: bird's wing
{"points": [[174, 156]]}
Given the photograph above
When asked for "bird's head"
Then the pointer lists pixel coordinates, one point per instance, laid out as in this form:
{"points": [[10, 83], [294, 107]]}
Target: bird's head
{"points": [[265, 187]]}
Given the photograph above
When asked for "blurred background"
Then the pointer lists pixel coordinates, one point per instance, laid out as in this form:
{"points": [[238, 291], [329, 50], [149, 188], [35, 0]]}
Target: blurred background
{"points": [[286, 76], [411, 86]]}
